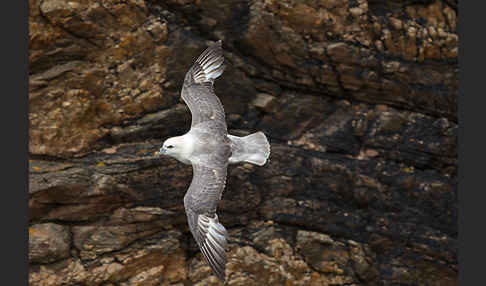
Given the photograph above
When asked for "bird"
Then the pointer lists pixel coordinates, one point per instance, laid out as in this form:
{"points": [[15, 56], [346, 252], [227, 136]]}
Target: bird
{"points": [[209, 148]]}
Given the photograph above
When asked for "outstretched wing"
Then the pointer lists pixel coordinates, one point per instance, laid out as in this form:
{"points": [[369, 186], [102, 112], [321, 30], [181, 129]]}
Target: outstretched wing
{"points": [[197, 90], [200, 202]]}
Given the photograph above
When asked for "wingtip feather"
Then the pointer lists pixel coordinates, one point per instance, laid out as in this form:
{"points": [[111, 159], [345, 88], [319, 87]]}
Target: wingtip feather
{"points": [[211, 237], [211, 61]]}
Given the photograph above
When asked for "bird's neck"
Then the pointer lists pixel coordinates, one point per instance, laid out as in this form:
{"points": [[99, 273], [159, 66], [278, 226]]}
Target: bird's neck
{"points": [[187, 147]]}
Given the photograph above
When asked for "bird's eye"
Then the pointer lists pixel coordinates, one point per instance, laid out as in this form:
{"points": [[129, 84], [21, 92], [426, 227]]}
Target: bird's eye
{"points": [[169, 146]]}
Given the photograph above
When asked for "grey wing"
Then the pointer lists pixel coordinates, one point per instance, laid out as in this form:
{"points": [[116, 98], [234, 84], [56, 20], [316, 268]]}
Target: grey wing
{"points": [[200, 203], [197, 90]]}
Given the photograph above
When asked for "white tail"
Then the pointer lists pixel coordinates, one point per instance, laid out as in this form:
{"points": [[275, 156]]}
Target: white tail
{"points": [[253, 148]]}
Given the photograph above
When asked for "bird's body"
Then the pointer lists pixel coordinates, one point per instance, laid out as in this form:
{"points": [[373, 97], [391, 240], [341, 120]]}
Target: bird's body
{"points": [[200, 145], [209, 148]]}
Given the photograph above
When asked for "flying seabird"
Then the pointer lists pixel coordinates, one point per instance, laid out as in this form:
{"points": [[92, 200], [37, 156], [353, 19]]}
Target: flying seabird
{"points": [[209, 148]]}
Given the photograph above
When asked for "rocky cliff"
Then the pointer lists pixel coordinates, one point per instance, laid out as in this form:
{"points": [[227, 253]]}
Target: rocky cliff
{"points": [[358, 99]]}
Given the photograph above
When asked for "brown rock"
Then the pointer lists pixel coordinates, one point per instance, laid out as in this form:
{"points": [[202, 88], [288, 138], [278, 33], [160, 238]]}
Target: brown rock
{"points": [[159, 264], [89, 28], [93, 241], [322, 253], [262, 100], [48, 242]]}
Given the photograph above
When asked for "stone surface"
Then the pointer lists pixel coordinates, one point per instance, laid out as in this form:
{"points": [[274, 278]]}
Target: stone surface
{"points": [[358, 99], [48, 242]]}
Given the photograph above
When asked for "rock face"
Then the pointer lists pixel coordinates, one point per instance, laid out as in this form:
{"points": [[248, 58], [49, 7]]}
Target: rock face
{"points": [[358, 99]]}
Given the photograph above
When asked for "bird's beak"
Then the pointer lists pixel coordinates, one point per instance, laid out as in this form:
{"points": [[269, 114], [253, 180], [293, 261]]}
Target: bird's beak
{"points": [[162, 151]]}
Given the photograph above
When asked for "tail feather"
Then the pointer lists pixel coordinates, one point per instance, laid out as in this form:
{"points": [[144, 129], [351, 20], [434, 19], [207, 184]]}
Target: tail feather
{"points": [[253, 148]]}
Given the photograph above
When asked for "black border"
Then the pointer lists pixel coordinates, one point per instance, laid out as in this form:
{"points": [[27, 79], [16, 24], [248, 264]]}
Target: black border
{"points": [[471, 142], [14, 125]]}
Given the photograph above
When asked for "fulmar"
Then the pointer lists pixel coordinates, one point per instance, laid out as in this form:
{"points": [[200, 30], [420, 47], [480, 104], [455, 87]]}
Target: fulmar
{"points": [[209, 148]]}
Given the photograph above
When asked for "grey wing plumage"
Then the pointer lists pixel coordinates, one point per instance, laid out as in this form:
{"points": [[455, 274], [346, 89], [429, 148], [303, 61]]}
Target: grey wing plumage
{"points": [[197, 90], [200, 203]]}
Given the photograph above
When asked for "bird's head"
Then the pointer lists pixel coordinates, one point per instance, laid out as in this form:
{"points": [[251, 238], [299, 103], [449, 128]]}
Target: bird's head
{"points": [[179, 147], [173, 147]]}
